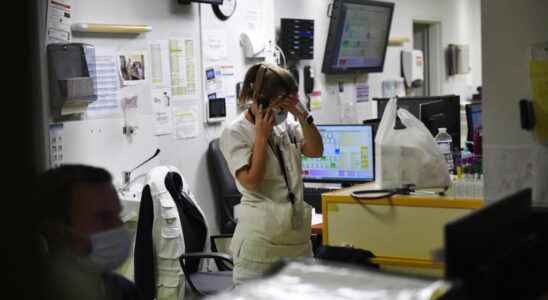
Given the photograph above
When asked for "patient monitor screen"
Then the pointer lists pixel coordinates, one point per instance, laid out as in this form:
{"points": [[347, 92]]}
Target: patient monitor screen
{"points": [[363, 41], [347, 155]]}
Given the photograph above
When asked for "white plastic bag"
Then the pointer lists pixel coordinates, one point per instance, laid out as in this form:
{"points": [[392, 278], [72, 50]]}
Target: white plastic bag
{"points": [[407, 156]]}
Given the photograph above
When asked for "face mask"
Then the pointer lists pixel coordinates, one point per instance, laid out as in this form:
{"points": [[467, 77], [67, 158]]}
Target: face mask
{"points": [[109, 249], [279, 115]]}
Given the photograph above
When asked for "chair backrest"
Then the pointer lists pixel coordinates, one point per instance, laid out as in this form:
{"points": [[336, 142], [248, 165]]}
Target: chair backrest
{"points": [[192, 222], [224, 187]]}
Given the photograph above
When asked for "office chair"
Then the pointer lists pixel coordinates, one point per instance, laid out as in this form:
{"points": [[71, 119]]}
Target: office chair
{"points": [[195, 234], [224, 187]]}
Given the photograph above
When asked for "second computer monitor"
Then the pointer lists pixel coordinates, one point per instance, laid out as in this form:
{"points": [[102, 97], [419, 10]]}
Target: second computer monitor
{"points": [[348, 155], [473, 119], [434, 111]]}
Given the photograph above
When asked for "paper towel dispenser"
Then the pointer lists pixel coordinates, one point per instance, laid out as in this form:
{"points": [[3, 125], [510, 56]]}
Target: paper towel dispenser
{"points": [[72, 78]]}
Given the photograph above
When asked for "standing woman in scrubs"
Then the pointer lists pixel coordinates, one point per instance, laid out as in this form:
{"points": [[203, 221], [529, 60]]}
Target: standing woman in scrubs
{"points": [[263, 148]]}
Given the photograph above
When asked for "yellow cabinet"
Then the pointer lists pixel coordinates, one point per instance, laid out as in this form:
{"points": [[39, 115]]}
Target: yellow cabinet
{"points": [[402, 231]]}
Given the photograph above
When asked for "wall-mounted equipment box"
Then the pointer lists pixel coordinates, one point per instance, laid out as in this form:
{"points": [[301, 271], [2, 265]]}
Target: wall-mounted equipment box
{"points": [[216, 110], [413, 67], [72, 78], [458, 59], [297, 38]]}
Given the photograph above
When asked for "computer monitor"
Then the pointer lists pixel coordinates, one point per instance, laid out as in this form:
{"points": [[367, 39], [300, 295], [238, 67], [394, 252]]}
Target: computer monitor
{"points": [[374, 123], [448, 107], [473, 119], [358, 36], [348, 155], [442, 114], [498, 251]]}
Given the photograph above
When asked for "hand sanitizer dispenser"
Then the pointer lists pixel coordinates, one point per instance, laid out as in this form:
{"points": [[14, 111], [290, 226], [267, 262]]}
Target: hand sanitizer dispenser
{"points": [[413, 67], [252, 45]]}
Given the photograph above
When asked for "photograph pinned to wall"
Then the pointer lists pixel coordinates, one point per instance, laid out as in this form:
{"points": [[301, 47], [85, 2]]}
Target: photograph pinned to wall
{"points": [[161, 107], [131, 66]]}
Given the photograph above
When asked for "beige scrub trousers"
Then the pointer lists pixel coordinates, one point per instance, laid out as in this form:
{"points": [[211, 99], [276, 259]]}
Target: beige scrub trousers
{"points": [[269, 226]]}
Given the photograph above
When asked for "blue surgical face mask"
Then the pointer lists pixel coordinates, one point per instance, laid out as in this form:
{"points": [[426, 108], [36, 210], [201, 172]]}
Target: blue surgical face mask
{"points": [[109, 250]]}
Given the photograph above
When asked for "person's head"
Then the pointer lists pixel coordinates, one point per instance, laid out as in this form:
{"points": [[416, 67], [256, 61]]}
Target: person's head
{"points": [[80, 210], [266, 83]]}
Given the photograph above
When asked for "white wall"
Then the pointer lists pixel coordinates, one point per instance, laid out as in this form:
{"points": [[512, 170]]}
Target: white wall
{"points": [[460, 23], [514, 159], [100, 142]]}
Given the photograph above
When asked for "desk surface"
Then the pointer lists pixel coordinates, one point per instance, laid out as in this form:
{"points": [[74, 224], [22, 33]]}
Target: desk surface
{"points": [[345, 196]]}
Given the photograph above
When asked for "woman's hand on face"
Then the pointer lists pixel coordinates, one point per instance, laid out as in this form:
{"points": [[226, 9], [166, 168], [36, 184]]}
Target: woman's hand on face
{"points": [[289, 103], [264, 121]]}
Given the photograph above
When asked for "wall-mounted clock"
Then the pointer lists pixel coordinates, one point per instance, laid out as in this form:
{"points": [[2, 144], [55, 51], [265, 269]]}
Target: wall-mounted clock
{"points": [[225, 10]]}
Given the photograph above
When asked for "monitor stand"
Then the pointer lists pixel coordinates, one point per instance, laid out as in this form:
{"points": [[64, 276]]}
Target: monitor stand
{"points": [[346, 184]]}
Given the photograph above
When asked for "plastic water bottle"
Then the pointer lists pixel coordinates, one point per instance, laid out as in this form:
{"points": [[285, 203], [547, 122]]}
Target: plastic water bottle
{"points": [[445, 144]]}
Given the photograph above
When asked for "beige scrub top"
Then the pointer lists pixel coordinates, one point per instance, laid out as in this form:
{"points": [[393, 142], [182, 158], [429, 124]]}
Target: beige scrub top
{"points": [[265, 229]]}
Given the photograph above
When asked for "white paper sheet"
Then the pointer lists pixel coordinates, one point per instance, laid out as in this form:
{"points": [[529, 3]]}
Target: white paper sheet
{"points": [[229, 89], [253, 16], [129, 103], [159, 64], [186, 117], [229, 83], [56, 144], [214, 82], [183, 67], [59, 21], [161, 108], [107, 104], [215, 45], [316, 100], [362, 92]]}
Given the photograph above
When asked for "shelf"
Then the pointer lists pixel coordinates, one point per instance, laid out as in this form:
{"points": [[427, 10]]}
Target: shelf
{"points": [[109, 28], [398, 41]]}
